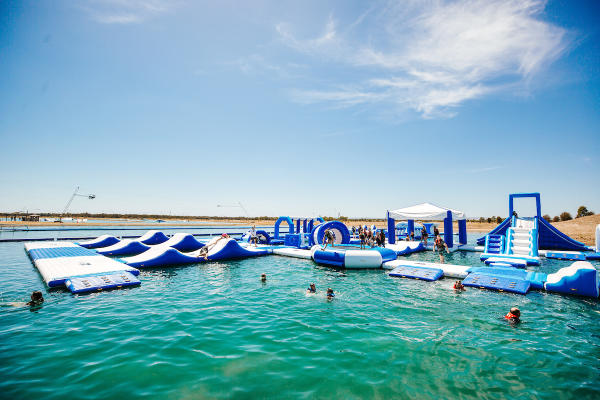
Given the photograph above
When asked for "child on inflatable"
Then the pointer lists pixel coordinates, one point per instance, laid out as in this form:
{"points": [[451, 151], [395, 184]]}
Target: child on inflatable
{"points": [[328, 238]]}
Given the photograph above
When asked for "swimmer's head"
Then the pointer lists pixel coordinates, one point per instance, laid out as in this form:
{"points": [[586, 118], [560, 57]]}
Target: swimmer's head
{"points": [[515, 311], [37, 297], [263, 277], [313, 287], [224, 235]]}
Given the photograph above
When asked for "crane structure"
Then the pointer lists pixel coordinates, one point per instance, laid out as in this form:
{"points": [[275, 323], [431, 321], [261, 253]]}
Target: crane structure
{"points": [[76, 194], [238, 205]]}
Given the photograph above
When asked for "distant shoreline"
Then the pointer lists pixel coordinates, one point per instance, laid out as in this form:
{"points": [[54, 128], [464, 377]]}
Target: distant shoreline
{"points": [[582, 229]]}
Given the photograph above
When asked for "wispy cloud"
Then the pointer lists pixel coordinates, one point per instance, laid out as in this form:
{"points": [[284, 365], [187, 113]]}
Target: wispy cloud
{"points": [[432, 56], [125, 11], [485, 169]]}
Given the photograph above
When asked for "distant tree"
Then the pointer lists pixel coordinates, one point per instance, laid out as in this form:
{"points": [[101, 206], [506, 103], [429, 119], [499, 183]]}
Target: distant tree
{"points": [[582, 211], [489, 220], [547, 217], [556, 218], [481, 219], [498, 220], [565, 216]]}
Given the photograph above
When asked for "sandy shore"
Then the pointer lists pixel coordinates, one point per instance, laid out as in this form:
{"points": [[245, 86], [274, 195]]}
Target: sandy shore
{"points": [[582, 229]]}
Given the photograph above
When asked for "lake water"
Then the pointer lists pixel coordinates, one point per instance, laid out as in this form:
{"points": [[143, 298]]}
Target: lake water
{"points": [[215, 331]]}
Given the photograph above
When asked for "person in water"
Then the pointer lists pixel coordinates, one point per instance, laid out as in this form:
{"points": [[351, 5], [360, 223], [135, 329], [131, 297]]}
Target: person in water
{"points": [[263, 278], [36, 299], [328, 238], [458, 286], [330, 294], [311, 289], [514, 315], [440, 246]]}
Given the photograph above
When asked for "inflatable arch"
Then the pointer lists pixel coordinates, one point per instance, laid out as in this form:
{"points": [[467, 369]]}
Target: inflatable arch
{"points": [[279, 221], [341, 232]]}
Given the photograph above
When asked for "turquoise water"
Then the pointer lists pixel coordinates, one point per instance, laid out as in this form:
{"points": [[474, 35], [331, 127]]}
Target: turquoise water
{"points": [[215, 331]]}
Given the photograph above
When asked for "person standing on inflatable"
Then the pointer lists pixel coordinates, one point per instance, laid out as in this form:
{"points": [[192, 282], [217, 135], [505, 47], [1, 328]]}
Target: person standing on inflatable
{"points": [[424, 235], [253, 237], [328, 238], [439, 246]]}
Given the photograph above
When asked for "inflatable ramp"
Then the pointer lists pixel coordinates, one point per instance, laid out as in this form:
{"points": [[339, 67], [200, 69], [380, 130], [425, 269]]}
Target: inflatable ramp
{"points": [[450, 270], [96, 283], [219, 249], [60, 261], [425, 274], [499, 283], [100, 241]]}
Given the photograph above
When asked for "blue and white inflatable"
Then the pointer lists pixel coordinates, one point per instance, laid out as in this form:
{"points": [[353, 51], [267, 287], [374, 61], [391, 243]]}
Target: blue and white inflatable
{"points": [[580, 279], [219, 249], [351, 256], [263, 237], [340, 232]]}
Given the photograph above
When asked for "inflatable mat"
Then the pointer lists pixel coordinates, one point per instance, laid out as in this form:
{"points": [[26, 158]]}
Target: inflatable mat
{"points": [[59, 261]]}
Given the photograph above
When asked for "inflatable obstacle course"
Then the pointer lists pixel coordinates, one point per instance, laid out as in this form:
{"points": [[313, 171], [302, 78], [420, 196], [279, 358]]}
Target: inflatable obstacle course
{"points": [[549, 238]]}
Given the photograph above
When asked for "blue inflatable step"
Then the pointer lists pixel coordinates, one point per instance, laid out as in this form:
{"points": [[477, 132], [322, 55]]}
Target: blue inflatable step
{"points": [[96, 283], [425, 274], [500, 283], [566, 255]]}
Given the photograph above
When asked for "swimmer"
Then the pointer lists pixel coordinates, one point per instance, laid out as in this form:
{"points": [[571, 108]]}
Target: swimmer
{"points": [[458, 286], [363, 239], [311, 289], [514, 315], [263, 278], [36, 299], [330, 294]]}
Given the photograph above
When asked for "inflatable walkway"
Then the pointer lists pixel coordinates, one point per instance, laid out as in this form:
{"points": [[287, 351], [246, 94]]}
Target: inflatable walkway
{"points": [[219, 249]]}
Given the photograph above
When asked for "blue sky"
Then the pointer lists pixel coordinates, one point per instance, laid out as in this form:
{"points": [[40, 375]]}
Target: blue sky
{"points": [[299, 108]]}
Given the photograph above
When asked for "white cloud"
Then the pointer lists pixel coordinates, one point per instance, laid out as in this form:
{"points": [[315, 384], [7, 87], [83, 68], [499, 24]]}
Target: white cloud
{"points": [[432, 56], [125, 11]]}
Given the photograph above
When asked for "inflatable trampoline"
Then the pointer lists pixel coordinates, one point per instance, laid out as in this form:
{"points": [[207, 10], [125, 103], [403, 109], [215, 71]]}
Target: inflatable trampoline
{"points": [[351, 256]]}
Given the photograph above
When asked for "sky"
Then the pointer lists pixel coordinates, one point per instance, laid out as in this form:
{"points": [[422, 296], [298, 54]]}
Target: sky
{"points": [[298, 107]]}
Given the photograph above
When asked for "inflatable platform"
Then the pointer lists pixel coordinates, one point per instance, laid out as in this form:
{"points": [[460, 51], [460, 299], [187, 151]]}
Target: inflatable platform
{"points": [[62, 261]]}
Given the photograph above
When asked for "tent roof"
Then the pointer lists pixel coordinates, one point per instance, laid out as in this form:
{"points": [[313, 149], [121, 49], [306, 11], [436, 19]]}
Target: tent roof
{"points": [[425, 212]]}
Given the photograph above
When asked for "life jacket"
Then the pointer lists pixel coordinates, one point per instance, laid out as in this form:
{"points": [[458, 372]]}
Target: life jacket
{"points": [[511, 316]]}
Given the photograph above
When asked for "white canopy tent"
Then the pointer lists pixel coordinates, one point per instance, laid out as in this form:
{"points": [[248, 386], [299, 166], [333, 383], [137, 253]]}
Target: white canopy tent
{"points": [[425, 212]]}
